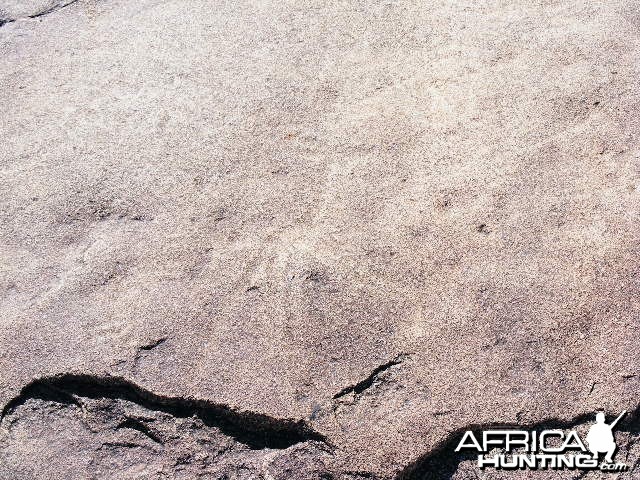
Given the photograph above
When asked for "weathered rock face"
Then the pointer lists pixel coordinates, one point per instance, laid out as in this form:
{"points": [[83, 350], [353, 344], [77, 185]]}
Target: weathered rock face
{"points": [[12, 10], [388, 221], [86, 427], [82, 427]]}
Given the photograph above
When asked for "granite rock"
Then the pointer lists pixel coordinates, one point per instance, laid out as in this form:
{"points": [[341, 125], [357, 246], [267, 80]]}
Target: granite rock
{"points": [[376, 223]]}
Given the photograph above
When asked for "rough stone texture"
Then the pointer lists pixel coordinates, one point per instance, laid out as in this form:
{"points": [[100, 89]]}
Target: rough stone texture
{"points": [[111, 429], [12, 10], [389, 220]]}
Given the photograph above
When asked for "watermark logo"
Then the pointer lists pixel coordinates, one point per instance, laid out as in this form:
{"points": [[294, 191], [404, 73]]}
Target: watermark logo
{"points": [[547, 449]]}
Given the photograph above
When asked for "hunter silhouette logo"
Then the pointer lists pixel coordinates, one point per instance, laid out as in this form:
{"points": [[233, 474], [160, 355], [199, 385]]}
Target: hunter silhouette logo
{"points": [[546, 449], [600, 437]]}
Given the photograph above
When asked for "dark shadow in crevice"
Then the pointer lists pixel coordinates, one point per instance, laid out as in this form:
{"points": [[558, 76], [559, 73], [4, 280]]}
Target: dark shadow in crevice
{"points": [[254, 430], [364, 384]]}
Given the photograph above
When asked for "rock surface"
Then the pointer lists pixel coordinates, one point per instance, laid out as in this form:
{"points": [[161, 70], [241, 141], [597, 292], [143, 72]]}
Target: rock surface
{"points": [[12, 10], [367, 224]]}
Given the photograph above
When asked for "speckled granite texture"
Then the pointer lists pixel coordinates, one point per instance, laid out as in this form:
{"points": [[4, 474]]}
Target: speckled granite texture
{"points": [[313, 239]]}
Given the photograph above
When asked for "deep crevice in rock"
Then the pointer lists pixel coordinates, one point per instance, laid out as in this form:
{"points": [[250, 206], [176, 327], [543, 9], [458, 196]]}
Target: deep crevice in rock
{"points": [[254, 430], [362, 385]]}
